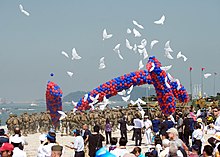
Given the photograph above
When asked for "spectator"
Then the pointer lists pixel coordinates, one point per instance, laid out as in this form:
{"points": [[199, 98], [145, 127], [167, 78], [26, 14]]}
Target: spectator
{"points": [[197, 136], [173, 136], [121, 150], [180, 125], [163, 129], [123, 127], [17, 133], [78, 144], [216, 126], [113, 142], [108, 130], [173, 150], [6, 150], [156, 125], [56, 151], [85, 134], [95, 141], [147, 125], [194, 152], [136, 151], [166, 145], [3, 137], [207, 151], [51, 141], [187, 129], [42, 138], [17, 143], [138, 125]]}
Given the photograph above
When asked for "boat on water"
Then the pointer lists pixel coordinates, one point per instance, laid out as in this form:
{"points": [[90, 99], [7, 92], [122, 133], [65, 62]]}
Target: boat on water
{"points": [[34, 104]]}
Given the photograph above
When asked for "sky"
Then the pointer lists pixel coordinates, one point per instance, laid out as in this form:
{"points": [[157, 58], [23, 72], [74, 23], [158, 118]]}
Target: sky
{"points": [[30, 46]]}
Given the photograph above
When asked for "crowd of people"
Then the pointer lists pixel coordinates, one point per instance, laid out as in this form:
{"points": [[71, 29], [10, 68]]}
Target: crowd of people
{"points": [[192, 133]]}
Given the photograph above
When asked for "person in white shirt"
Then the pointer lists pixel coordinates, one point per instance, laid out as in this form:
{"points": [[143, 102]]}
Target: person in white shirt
{"points": [[17, 143], [17, 132], [121, 150], [147, 125], [166, 146], [56, 151], [138, 125], [42, 138], [197, 136], [78, 144], [216, 126]]}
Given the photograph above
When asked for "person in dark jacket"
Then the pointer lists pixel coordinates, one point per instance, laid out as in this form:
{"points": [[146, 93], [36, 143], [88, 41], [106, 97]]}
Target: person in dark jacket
{"points": [[123, 127], [3, 137]]}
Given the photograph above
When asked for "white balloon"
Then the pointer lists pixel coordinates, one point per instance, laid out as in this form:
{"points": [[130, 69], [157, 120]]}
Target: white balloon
{"points": [[65, 54], [23, 11], [160, 21], [117, 47], [207, 75], [128, 31], [167, 47], [123, 92], [130, 90], [105, 35], [128, 45], [102, 63], [141, 65], [136, 33], [166, 68], [179, 55], [70, 73], [75, 55], [153, 43], [138, 25], [168, 55], [126, 98]]}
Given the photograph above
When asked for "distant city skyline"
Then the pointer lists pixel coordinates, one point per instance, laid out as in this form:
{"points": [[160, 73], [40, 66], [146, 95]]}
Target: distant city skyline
{"points": [[31, 46]]}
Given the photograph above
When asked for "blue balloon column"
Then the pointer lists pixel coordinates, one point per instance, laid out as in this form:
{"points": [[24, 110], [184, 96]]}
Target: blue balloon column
{"points": [[54, 101], [166, 89]]}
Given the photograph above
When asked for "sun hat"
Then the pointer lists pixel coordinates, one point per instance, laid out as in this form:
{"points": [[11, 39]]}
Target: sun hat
{"points": [[42, 137], [172, 130]]}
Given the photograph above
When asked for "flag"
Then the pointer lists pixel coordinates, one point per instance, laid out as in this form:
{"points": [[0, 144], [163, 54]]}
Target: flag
{"points": [[190, 68], [203, 69]]}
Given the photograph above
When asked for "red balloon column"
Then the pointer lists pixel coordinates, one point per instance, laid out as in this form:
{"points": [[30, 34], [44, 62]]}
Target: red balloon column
{"points": [[167, 90], [54, 101]]}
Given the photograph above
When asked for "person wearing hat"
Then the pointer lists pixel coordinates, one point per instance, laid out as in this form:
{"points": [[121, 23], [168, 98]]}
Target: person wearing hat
{"points": [[3, 137], [147, 125], [48, 143], [194, 152], [78, 144], [6, 150], [17, 143], [173, 136], [166, 145], [56, 151]]}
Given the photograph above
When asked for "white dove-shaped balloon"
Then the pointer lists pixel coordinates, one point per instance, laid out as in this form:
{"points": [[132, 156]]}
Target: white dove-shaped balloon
{"points": [[105, 35], [178, 84], [166, 68], [74, 110], [126, 98], [74, 103], [123, 92], [141, 65], [168, 55], [166, 82], [94, 100], [65, 54], [102, 63], [92, 106], [132, 102], [143, 44], [128, 45], [63, 115], [153, 43], [135, 48], [75, 55], [128, 31], [152, 68], [23, 11], [136, 33], [138, 25], [119, 55], [160, 21], [117, 47], [130, 89], [207, 75], [167, 47], [85, 97], [140, 101], [171, 78], [179, 55], [70, 73]]}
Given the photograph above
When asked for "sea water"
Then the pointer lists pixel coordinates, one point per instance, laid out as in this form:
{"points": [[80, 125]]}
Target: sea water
{"points": [[7, 109]]}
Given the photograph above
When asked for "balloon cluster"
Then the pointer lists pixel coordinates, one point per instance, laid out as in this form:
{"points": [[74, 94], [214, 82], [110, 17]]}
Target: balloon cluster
{"points": [[166, 89], [114, 86], [54, 101]]}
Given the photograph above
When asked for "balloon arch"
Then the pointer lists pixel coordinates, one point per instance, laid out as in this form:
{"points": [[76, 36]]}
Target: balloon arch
{"points": [[167, 88]]}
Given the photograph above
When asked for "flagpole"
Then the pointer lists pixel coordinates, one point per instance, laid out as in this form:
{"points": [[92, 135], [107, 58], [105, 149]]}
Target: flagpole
{"points": [[202, 82], [214, 83], [190, 74]]}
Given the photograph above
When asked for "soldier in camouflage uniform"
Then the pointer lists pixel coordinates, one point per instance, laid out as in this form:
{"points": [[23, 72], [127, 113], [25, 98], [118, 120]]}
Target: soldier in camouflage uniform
{"points": [[47, 122], [9, 123], [65, 124], [25, 123]]}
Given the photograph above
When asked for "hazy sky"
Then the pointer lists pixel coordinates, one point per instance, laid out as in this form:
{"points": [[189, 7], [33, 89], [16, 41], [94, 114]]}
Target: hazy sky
{"points": [[30, 47]]}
